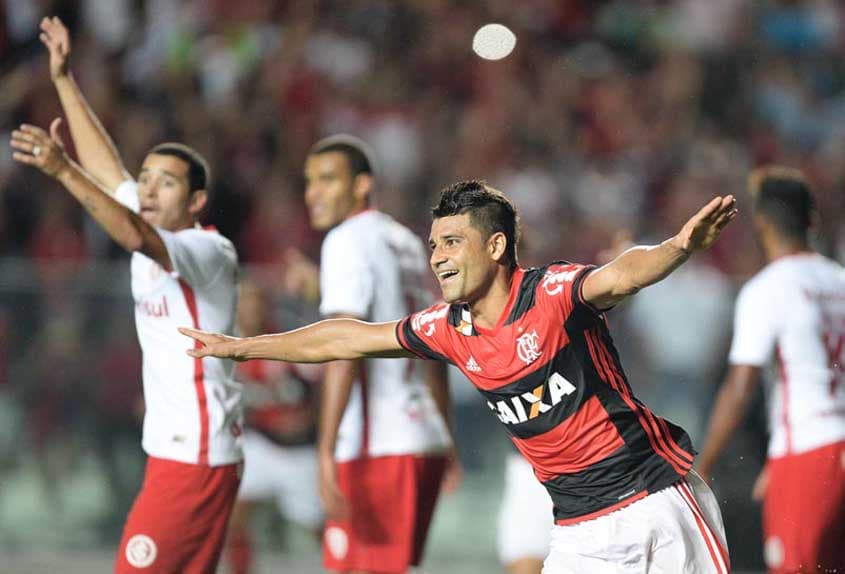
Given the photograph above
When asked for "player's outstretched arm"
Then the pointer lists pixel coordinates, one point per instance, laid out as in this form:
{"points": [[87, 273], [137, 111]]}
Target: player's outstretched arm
{"points": [[97, 153], [642, 266], [730, 406], [328, 340], [33, 146]]}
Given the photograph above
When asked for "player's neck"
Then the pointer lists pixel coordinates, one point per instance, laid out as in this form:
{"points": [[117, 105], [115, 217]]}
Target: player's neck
{"points": [[487, 310], [778, 249]]}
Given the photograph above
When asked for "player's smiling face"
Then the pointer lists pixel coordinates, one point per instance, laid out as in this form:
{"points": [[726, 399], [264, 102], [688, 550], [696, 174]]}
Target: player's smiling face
{"points": [[331, 192], [461, 258], [164, 193]]}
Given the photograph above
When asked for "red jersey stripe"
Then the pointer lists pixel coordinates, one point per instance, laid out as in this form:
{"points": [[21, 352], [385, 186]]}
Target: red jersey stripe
{"points": [[658, 425], [784, 408], [199, 375], [580, 441], [654, 439]]}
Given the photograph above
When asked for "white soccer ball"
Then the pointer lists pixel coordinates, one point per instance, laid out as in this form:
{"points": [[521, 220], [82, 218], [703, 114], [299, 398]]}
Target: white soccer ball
{"points": [[493, 41]]}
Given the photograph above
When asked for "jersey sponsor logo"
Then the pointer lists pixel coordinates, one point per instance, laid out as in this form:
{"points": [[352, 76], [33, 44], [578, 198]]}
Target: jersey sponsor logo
{"points": [[141, 551], [472, 365], [553, 280], [153, 308], [427, 319], [528, 347], [527, 406]]}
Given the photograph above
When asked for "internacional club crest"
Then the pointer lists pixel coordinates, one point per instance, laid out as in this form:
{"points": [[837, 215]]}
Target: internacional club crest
{"points": [[141, 551], [528, 348]]}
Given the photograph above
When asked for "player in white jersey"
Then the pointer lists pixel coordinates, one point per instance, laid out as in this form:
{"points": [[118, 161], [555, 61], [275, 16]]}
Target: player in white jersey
{"points": [[181, 274], [384, 439], [792, 313]]}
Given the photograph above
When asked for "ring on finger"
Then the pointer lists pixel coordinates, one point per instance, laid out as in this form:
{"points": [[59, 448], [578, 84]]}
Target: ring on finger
{"points": [[36, 150]]}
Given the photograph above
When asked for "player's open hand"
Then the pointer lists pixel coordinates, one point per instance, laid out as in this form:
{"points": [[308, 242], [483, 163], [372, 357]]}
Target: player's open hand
{"points": [[703, 228], [334, 503], [212, 345], [55, 36], [33, 146]]}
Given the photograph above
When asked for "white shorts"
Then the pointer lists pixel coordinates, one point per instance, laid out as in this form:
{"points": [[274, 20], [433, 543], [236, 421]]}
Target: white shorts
{"points": [[526, 516], [286, 475], [677, 530]]}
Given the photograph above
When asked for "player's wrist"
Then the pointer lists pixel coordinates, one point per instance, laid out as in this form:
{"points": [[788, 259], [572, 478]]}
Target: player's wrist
{"points": [[680, 244]]}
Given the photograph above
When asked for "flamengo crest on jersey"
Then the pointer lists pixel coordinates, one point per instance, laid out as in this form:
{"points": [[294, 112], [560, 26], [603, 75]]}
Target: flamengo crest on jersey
{"points": [[551, 375]]}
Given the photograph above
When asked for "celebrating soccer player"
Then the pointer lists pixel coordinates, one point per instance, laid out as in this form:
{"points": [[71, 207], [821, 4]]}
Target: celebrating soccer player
{"points": [[536, 344]]}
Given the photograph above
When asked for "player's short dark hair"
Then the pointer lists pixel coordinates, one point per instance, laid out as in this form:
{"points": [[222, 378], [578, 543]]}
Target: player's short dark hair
{"points": [[199, 174], [784, 198], [489, 211], [358, 153]]}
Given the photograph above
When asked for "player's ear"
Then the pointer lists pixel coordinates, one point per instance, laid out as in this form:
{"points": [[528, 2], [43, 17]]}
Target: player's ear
{"points": [[497, 245], [362, 187], [197, 201]]}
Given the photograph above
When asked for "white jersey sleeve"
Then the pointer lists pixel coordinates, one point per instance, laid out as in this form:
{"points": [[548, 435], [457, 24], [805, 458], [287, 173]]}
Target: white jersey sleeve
{"points": [[127, 194], [198, 256], [346, 282], [755, 326]]}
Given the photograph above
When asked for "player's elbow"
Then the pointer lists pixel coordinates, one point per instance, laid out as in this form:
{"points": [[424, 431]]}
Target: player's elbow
{"points": [[131, 239]]}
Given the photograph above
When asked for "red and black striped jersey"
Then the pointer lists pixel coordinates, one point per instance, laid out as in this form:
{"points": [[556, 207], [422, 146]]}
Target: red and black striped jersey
{"points": [[551, 374]]}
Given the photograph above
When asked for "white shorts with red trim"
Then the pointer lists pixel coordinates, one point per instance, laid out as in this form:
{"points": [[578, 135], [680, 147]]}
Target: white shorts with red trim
{"points": [[677, 530]]}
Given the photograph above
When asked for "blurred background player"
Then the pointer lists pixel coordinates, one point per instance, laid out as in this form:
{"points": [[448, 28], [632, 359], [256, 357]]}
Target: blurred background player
{"points": [[526, 519], [384, 443], [180, 273], [280, 435], [792, 313]]}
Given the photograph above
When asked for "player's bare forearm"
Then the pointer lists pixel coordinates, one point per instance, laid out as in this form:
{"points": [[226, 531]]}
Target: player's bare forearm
{"points": [[730, 406], [121, 224], [633, 270], [438, 381], [335, 391], [642, 266], [97, 153], [328, 340], [96, 150]]}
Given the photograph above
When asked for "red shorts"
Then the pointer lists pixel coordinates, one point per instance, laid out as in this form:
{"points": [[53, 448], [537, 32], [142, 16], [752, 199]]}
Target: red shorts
{"points": [[804, 512], [179, 519], [391, 501]]}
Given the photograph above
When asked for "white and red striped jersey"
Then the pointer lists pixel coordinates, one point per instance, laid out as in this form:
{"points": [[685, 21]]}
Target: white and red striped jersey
{"points": [[374, 268], [792, 314], [193, 411]]}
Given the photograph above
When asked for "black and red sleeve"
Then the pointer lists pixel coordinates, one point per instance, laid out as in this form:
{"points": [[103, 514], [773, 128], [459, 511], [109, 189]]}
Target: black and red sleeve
{"points": [[422, 334]]}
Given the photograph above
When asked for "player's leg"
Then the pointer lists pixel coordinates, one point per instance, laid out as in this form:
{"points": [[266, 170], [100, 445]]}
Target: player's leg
{"points": [[391, 501], [803, 516], [297, 488], [178, 520], [256, 485], [428, 478], [690, 530], [525, 519]]}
